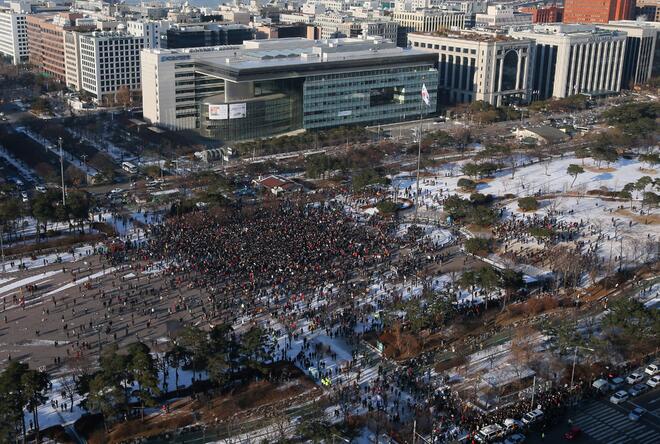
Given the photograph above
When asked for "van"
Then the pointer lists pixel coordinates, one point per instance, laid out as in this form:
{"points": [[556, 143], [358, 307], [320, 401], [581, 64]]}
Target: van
{"points": [[490, 433], [533, 416]]}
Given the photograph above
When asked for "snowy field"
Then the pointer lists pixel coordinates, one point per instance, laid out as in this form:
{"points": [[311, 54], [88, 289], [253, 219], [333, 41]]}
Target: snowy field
{"points": [[624, 232], [544, 178]]}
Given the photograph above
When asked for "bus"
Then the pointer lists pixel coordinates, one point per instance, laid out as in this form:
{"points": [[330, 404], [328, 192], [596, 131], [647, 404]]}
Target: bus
{"points": [[129, 167]]}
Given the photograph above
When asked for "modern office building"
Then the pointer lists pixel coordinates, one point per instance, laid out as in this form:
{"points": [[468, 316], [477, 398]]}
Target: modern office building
{"points": [[46, 42], [268, 87], [110, 62], [641, 49], [150, 30], [475, 66], [501, 17], [597, 11], [544, 14], [575, 59], [72, 69], [205, 34], [13, 36], [649, 9]]}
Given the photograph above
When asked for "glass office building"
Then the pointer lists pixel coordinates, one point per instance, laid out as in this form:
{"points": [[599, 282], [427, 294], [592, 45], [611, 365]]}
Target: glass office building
{"points": [[273, 87]]}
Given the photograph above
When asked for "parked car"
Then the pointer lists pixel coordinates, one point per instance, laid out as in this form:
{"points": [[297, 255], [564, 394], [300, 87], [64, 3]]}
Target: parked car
{"points": [[573, 433], [638, 389], [516, 438], [619, 397], [652, 369], [490, 433], [532, 417], [634, 378], [654, 381], [636, 413], [40, 188], [602, 385], [616, 382]]}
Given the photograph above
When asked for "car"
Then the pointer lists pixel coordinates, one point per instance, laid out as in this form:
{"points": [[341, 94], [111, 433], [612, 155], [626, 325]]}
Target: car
{"points": [[638, 389], [652, 369], [489, 433], [116, 191], [616, 382], [24, 194], [573, 433], [602, 385], [532, 417], [40, 188], [634, 378], [513, 424], [516, 438], [654, 381], [636, 413], [619, 397]]}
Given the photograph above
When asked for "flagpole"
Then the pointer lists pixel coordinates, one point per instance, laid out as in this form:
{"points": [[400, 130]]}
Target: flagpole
{"points": [[419, 148]]}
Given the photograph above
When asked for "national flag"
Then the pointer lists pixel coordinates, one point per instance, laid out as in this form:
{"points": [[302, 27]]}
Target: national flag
{"points": [[425, 95]]}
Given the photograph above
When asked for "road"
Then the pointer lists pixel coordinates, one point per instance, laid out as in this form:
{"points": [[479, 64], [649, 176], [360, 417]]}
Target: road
{"points": [[605, 423]]}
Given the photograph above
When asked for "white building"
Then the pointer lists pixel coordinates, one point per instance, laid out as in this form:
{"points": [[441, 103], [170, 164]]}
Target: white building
{"points": [[575, 59], [501, 17], [110, 62], [641, 48], [150, 30], [72, 59], [476, 66], [430, 20], [13, 36]]}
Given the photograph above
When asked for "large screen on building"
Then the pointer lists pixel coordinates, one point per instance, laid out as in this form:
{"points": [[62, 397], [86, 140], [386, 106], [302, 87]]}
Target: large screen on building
{"points": [[237, 110], [218, 112]]}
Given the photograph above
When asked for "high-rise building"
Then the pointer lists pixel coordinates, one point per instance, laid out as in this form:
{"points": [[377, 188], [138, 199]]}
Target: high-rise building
{"points": [[476, 66], [109, 63], [545, 14], [597, 11], [205, 34], [13, 36], [575, 59], [46, 42], [641, 49], [429, 20], [268, 87], [650, 9]]}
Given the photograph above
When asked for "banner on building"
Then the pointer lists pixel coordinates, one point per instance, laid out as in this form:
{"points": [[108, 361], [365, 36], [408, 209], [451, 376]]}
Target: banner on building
{"points": [[218, 112], [237, 110]]}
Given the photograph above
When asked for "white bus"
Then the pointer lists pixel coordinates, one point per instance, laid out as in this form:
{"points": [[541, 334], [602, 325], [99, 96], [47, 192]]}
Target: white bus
{"points": [[129, 167]]}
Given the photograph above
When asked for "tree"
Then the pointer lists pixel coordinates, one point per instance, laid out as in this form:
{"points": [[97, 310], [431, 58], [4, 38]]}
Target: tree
{"points": [[253, 348], [528, 203], [478, 246], [196, 344], [144, 372], [43, 208], [466, 184], [123, 96], [511, 282], [34, 385], [13, 398], [78, 205], [176, 358], [573, 170]]}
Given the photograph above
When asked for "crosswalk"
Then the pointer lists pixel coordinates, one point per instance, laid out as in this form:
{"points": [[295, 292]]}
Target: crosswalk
{"points": [[608, 425]]}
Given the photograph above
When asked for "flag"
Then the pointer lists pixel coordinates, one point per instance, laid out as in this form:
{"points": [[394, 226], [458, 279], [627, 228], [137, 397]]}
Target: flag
{"points": [[425, 95]]}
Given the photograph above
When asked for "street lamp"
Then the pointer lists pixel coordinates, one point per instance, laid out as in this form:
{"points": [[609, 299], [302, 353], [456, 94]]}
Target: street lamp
{"points": [[59, 141], [575, 360]]}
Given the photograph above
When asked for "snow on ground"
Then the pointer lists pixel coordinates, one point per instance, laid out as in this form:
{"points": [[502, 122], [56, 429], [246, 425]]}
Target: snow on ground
{"points": [[527, 180], [108, 147], [627, 234], [39, 278], [25, 171], [438, 236], [49, 415], [650, 296], [85, 168], [80, 252]]}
